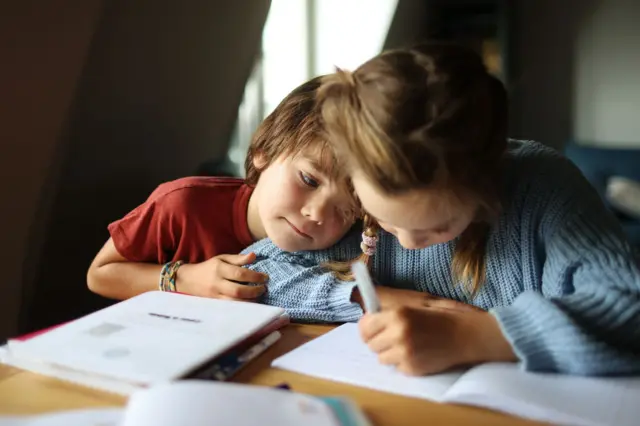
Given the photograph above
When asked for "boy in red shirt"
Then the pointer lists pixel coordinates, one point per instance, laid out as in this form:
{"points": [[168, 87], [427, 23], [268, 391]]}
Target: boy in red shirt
{"points": [[293, 193]]}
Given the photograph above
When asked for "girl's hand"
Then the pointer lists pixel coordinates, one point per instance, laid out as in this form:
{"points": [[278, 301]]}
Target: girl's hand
{"points": [[392, 298], [420, 341], [220, 277]]}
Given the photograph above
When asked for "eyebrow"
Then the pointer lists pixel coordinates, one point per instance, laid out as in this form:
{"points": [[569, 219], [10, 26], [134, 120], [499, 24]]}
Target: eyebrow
{"points": [[318, 166], [314, 163]]}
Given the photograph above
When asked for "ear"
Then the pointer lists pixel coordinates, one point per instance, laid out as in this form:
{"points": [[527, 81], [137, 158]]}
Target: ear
{"points": [[259, 161]]}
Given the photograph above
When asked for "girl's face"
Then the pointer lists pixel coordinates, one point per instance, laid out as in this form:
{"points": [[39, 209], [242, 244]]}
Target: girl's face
{"points": [[418, 218]]}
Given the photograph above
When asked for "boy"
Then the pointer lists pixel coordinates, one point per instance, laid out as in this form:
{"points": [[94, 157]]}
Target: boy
{"points": [[293, 194]]}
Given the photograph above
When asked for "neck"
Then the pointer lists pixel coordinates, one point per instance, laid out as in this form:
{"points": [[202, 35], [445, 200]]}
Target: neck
{"points": [[256, 228]]}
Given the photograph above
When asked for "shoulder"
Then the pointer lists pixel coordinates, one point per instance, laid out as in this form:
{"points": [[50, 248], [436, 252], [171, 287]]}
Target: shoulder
{"points": [[532, 156], [546, 191], [191, 184], [539, 172], [192, 192]]}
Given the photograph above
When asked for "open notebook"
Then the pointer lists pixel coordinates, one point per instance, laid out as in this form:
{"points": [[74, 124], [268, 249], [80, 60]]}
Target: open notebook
{"points": [[340, 355], [199, 403], [149, 339]]}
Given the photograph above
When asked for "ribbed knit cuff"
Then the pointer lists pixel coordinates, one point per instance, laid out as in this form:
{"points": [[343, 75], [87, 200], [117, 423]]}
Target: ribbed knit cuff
{"points": [[339, 302], [528, 325]]}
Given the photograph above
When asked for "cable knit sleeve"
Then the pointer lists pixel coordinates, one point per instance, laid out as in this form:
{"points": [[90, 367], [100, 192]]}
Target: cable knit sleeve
{"points": [[586, 319], [300, 284]]}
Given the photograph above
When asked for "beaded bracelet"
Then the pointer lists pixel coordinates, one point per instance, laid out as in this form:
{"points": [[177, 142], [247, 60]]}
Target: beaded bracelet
{"points": [[168, 276]]}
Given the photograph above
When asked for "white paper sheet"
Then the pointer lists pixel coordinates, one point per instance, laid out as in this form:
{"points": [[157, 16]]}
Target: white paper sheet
{"points": [[554, 398], [341, 356]]}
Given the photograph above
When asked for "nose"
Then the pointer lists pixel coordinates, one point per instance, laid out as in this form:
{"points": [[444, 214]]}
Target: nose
{"points": [[315, 209]]}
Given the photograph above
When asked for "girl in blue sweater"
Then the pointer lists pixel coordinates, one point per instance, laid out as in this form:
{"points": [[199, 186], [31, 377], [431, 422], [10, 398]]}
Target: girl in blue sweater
{"points": [[509, 227]]}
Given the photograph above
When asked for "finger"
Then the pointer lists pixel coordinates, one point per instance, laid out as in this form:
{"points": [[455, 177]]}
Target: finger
{"points": [[239, 274], [240, 291], [390, 356], [409, 370], [397, 358], [372, 324], [238, 259], [448, 304], [381, 342]]}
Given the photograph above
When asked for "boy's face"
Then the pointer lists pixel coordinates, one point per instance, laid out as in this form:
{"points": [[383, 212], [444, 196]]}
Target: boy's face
{"points": [[299, 206]]}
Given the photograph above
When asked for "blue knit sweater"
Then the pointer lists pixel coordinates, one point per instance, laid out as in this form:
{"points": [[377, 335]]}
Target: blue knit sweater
{"points": [[560, 279]]}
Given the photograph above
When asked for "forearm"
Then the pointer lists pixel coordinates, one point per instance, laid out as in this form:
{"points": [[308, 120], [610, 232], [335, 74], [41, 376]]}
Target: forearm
{"points": [[122, 280], [578, 334], [587, 319], [584, 316]]}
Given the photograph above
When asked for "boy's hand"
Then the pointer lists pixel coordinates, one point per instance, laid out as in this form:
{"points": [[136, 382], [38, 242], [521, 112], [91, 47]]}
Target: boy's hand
{"points": [[219, 277], [420, 341], [392, 298]]}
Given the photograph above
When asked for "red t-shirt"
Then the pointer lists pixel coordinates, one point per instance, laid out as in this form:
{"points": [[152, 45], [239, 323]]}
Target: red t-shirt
{"points": [[190, 219]]}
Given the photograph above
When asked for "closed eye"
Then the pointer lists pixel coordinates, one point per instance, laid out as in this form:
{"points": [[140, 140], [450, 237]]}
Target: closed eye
{"points": [[308, 180]]}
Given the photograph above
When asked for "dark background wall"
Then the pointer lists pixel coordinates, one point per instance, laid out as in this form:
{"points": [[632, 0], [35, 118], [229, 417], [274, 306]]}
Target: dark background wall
{"points": [[545, 53], [43, 46], [544, 58], [151, 90]]}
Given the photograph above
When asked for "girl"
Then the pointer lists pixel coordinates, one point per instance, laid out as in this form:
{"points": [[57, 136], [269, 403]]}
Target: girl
{"points": [[511, 227]]}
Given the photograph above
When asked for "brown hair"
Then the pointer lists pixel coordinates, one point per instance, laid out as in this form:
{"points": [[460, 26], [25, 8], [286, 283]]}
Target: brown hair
{"points": [[293, 126], [425, 117]]}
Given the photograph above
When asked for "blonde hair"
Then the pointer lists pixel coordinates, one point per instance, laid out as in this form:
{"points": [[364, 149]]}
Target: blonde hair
{"points": [[425, 117]]}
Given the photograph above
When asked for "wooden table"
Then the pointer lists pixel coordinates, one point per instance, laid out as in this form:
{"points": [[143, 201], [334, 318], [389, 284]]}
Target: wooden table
{"points": [[22, 392]]}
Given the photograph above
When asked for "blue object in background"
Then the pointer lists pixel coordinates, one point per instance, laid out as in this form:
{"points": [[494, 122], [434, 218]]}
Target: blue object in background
{"points": [[598, 164]]}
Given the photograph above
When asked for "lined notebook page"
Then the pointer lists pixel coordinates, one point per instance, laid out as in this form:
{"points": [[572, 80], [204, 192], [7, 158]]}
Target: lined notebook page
{"points": [[341, 356], [559, 399]]}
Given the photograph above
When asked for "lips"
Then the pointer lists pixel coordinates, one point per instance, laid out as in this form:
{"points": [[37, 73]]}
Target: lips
{"points": [[299, 232]]}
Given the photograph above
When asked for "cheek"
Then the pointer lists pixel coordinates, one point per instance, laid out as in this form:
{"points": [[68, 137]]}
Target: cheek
{"points": [[287, 195], [461, 227], [450, 235], [336, 229], [441, 238], [336, 224], [389, 229]]}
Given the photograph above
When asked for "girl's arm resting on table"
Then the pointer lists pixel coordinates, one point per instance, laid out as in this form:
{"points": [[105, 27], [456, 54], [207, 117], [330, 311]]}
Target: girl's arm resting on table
{"points": [[594, 328]]}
